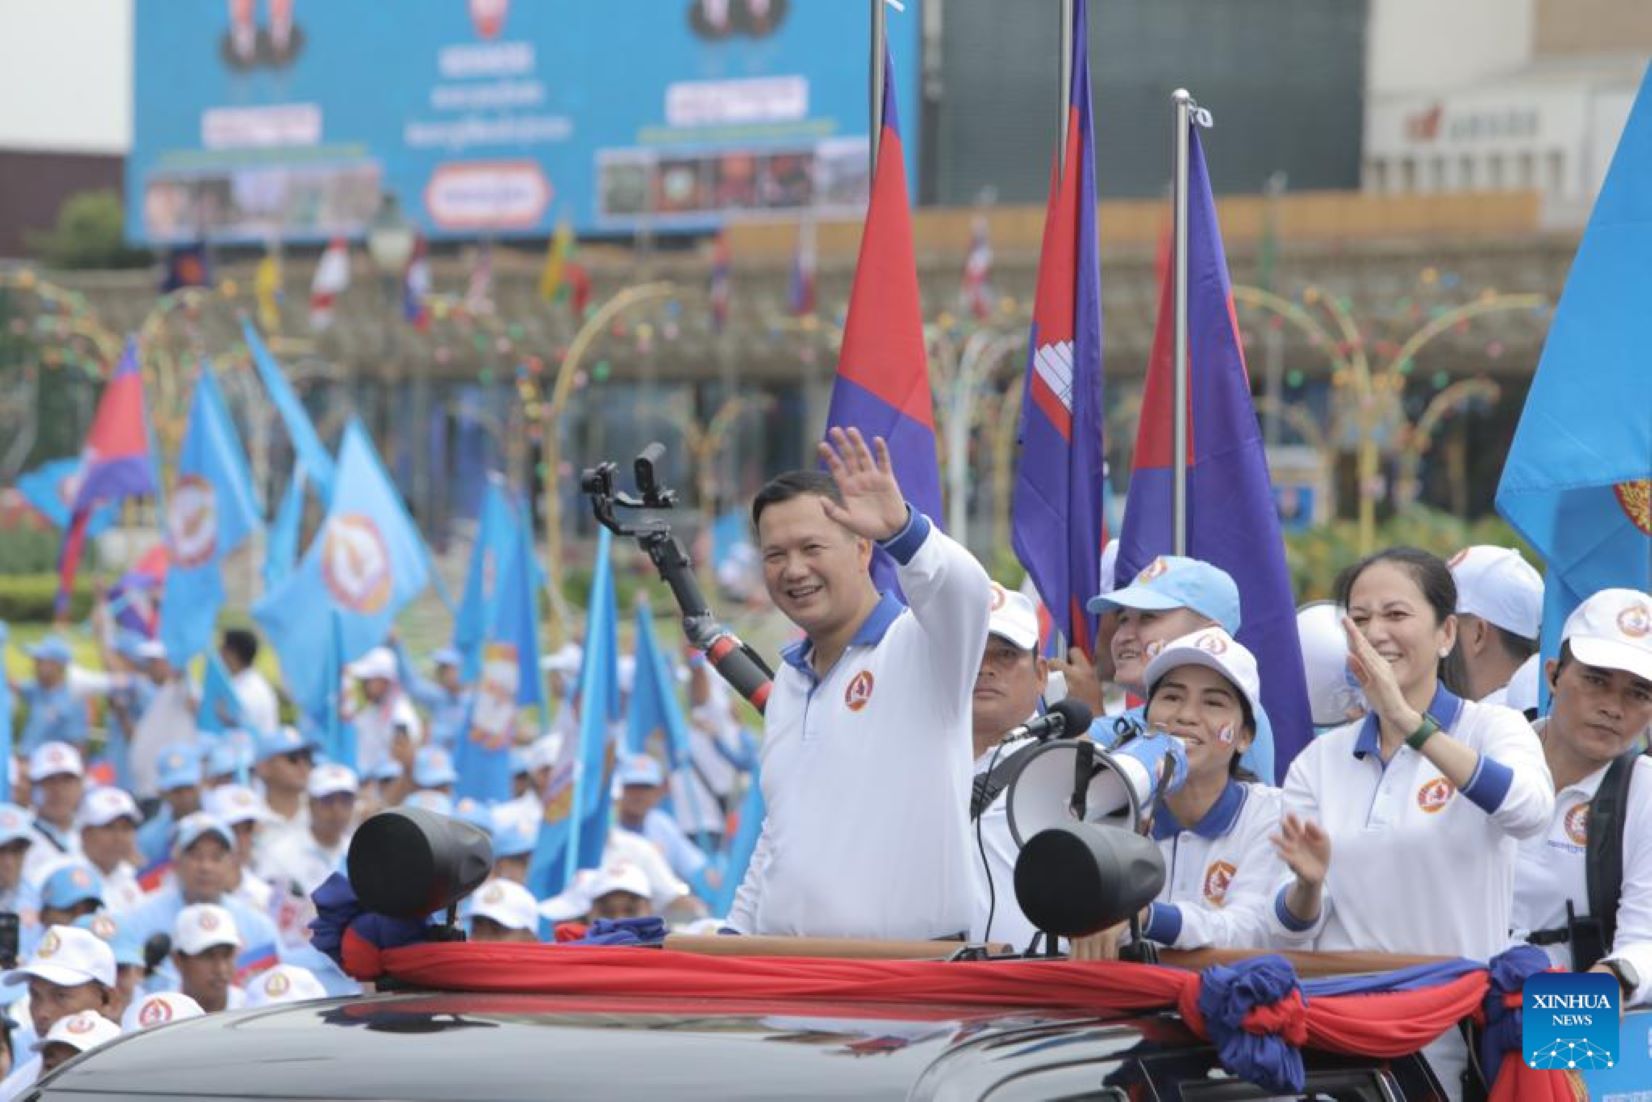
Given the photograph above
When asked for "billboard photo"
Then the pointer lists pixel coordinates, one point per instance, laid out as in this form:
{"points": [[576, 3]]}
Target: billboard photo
{"points": [[262, 119]]}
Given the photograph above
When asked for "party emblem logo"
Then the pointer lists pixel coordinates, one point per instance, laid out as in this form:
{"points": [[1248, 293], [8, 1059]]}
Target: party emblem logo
{"points": [[997, 598], [82, 1023], [1635, 621], [49, 945], [104, 927], [155, 1012], [859, 692], [277, 985], [355, 564], [1211, 643], [192, 522], [1577, 825], [488, 16], [1433, 796], [1217, 879], [1152, 570], [207, 920], [1569, 1021]]}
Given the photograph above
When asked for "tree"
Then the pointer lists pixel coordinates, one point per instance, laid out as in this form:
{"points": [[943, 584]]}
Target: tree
{"points": [[89, 234]]}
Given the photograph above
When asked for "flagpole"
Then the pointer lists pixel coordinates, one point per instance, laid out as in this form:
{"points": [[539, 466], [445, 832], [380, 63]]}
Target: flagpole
{"points": [[1182, 102], [1064, 95], [880, 41]]}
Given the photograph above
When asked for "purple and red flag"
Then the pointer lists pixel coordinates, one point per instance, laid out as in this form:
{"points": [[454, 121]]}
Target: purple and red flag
{"points": [[801, 293], [1059, 528], [1231, 518], [115, 463], [975, 294], [882, 383]]}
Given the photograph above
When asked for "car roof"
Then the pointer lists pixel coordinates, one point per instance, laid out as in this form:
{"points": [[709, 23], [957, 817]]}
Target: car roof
{"points": [[425, 1047]]}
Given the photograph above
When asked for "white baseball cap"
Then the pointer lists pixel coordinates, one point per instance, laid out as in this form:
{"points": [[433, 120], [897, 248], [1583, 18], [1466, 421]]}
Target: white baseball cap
{"points": [[507, 903], [1012, 617], [1500, 587], [106, 803], [158, 1009], [69, 956], [236, 803], [82, 1032], [203, 926], [285, 983], [52, 758], [565, 659], [1613, 630], [331, 779], [620, 877], [1216, 650], [1332, 690], [380, 662]]}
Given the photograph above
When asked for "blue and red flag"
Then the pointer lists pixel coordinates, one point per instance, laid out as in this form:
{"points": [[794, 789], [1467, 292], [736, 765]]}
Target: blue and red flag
{"points": [[115, 463], [882, 383], [800, 295], [1231, 518], [1059, 528]]}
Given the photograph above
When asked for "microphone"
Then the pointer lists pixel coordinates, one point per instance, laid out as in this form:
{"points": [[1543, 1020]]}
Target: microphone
{"points": [[1067, 718]]}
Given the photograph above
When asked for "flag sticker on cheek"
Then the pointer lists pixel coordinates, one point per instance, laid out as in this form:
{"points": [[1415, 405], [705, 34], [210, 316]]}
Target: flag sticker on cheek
{"points": [[1225, 735]]}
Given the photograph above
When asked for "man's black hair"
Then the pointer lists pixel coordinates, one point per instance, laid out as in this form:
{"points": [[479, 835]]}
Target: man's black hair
{"points": [[793, 484], [241, 643]]}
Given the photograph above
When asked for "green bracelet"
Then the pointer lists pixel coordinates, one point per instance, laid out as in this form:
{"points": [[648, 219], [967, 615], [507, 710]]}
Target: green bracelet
{"points": [[1429, 727]]}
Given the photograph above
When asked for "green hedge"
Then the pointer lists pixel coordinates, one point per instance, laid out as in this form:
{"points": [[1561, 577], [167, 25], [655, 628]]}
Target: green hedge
{"points": [[34, 550], [27, 598]]}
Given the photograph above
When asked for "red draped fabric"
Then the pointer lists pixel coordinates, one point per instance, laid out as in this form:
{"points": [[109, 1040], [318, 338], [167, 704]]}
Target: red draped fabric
{"points": [[1379, 1025]]}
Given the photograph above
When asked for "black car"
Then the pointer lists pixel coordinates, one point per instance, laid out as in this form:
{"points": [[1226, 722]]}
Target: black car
{"points": [[421, 1046]]}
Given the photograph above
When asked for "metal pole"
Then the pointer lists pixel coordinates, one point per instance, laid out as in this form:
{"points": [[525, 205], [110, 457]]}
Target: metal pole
{"points": [[1064, 94], [1273, 336], [880, 39], [1182, 102]]}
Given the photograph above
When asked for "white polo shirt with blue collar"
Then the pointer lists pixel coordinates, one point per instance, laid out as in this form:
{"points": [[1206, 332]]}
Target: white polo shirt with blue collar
{"points": [[1416, 865], [866, 768], [1222, 875]]}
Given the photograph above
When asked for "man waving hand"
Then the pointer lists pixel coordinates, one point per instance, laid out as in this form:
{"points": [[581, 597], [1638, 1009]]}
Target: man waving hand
{"points": [[866, 759]]}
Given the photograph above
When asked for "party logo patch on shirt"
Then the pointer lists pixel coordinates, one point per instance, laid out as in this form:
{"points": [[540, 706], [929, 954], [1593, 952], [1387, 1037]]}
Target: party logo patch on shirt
{"points": [[859, 692], [1434, 795], [1217, 878], [1577, 824]]}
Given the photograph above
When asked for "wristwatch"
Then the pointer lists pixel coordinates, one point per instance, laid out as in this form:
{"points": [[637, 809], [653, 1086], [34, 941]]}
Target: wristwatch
{"points": [[1426, 730], [1627, 976]]}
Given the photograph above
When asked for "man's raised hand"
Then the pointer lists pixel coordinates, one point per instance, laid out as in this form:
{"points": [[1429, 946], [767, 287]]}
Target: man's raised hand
{"points": [[873, 507]]}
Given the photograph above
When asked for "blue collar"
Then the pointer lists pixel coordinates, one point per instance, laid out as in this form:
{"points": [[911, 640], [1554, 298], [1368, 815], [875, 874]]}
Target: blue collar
{"points": [[1446, 707], [869, 634], [1221, 817]]}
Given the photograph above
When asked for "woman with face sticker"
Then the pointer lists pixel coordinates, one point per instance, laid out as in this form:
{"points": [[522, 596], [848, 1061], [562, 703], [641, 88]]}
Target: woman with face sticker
{"points": [[1426, 798], [1222, 876]]}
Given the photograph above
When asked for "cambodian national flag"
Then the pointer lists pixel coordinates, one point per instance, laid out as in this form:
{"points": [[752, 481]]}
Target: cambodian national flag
{"points": [[720, 277], [1577, 483], [416, 286], [1231, 518], [115, 463], [882, 384], [976, 292], [1059, 528], [52, 487]]}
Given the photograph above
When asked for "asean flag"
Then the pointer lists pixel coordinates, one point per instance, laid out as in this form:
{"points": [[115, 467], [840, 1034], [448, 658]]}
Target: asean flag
{"points": [[882, 383], [1058, 527]]}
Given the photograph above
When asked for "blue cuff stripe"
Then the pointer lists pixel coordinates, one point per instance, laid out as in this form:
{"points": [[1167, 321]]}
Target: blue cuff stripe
{"points": [[1489, 784], [1164, 923], [1286, 918], [905, 543]]}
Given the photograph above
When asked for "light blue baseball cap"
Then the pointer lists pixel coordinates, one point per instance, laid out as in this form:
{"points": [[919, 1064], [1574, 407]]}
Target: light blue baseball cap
{"points": [[446, 656], [511, 838], [71, 883], [1174, 581], [641, 770], [128, 950], [473, 811], [429, 799], [14, 824], [225, 757], [178, 766], [433, 767], [193, 827], [52, 648], [282, 740]]}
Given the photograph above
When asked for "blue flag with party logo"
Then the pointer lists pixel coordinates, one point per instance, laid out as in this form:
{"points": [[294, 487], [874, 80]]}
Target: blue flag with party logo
{"points": [[281, 548], [212, 509], [363, 566], [1577, 483], [496, 533], [510, 678]]}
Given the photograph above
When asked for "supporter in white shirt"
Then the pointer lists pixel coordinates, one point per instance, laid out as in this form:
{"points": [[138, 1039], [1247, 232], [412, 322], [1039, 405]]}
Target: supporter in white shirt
{"points": [[240, 809], [1426, 799], [71, 1036], [58, 779], [384, 713], [205, 941], [108, 833], [285, 758], [719, 751], [260, 711], [299, 863], [866, 762], [641, 784], [71, 970], [1499, 616], [1600, 710], [16, 836], [1229, 857]]}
